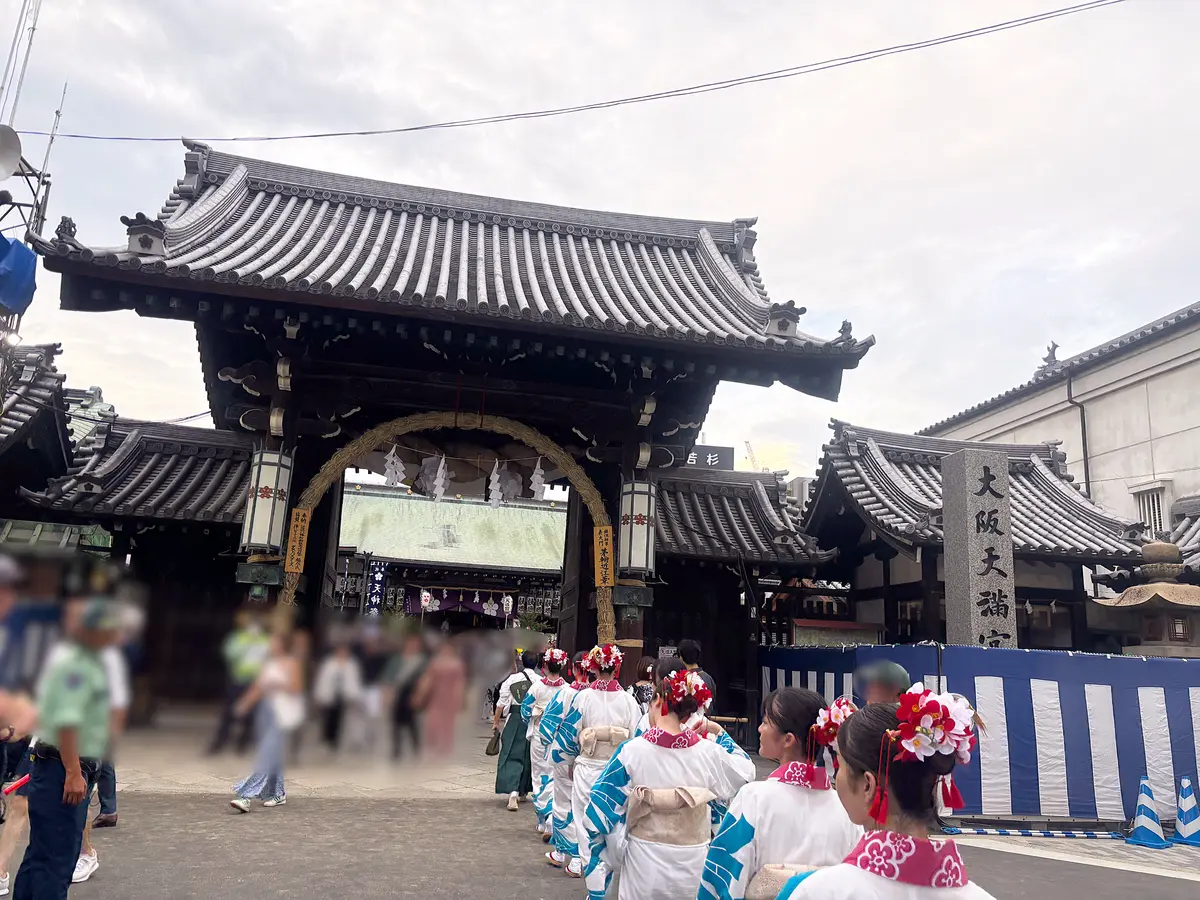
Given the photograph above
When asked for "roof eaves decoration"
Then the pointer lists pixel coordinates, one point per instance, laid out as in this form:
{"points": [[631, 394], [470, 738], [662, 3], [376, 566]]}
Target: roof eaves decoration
{"points": [[85, 410], [1058, 371], [727, 516], [894, 483], [146, 470], [240, 221], [35, 390]]}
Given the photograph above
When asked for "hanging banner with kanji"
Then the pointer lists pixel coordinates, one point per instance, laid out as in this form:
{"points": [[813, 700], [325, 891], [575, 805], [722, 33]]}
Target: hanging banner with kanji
{"points": [[605, 562], [293, 562]]}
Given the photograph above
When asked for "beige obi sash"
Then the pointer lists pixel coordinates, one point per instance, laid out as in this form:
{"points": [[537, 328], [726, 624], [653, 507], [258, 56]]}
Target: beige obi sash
{"points": [[676, 816], [601, 741], [770, 879]]}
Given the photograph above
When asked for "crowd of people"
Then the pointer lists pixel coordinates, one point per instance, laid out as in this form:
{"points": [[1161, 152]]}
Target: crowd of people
{"points": [[408, 688], [640, 783]]}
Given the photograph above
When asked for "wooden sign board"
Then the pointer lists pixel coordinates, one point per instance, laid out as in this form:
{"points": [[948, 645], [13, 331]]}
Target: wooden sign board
{"points": [[605, 563], [297, 541]]}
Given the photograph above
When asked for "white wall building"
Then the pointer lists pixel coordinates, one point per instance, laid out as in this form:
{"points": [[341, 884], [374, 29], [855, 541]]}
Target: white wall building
{"points": [[1127, 413]]}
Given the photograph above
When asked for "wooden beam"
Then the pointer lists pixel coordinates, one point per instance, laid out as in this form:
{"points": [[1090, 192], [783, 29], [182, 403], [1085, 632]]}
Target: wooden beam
{"points": [[931, 597]]}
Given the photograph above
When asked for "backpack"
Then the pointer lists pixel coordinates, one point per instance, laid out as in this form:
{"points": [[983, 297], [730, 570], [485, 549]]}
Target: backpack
{"points": [[519, 689]]}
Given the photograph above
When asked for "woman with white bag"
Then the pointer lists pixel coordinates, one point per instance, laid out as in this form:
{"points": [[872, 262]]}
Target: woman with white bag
{"points": [[279, 687]]}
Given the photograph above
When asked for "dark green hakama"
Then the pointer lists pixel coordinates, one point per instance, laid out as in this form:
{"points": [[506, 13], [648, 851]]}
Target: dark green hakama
{"points": [[513, 769]]}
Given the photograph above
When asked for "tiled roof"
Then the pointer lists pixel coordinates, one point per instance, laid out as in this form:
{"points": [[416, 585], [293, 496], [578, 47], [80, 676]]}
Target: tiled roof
{"points": [[242, 221], [1186, 532], [36, 390], [86, 410], [22, 534], [726, 515], [1058, 371], [145, 470], [894, 481]]}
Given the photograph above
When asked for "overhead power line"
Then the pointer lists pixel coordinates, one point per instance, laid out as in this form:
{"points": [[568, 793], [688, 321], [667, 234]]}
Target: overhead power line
{"points": [[691, 90]]}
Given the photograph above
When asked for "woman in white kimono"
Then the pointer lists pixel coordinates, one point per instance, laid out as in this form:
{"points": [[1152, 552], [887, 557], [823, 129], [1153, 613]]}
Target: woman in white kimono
{"points": [[791, 821], [893, 760], [649, 808], [564, 835], [533, 707], [601, 719]]}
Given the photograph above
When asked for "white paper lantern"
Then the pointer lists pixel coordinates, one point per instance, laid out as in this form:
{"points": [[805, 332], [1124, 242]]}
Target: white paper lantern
{"points": [[635, 540], [267, 504]]}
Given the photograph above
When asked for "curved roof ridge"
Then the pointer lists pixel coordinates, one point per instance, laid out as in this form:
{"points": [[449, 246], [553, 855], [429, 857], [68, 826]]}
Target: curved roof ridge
{"points": [[1059, 370], [937, 446], [218, 163], [1084, 505]]}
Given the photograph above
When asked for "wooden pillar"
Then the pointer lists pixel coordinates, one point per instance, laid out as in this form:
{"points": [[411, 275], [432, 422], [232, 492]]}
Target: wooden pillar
{"points": [[574, 595], [931, 597], [1079, 606], [891, 606]]}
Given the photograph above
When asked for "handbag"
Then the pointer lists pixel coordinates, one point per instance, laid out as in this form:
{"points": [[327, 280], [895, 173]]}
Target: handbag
{"points": [[493, 745], [289, 711]]}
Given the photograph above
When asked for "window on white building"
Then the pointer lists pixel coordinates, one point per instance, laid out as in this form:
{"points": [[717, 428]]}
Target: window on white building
{"points": [[1153, 505]]}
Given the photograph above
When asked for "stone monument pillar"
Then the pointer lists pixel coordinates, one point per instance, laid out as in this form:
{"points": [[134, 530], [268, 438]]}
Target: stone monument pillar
{"points": [[981, 606]]}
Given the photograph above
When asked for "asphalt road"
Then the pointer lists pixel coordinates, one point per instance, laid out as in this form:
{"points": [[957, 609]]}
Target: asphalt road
{"points": [[195, 846]]}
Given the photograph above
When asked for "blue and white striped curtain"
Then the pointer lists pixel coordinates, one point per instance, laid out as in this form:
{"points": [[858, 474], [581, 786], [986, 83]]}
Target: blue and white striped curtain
{"points": [[1068, 735], [26, 638]]}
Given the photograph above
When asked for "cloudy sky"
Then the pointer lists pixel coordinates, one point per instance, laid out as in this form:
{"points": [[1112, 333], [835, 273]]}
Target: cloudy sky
{"points": [[966, 204]]}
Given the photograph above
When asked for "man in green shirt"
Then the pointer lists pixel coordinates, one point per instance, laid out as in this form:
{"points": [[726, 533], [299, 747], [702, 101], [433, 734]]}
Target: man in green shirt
{"points": [[69, 742], [245, 650]]}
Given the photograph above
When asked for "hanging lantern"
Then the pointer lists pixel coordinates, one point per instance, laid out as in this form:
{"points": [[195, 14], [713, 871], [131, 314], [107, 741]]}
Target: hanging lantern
{"points": [[507, 604], [427, 600], [267, 503], [635, 542]]}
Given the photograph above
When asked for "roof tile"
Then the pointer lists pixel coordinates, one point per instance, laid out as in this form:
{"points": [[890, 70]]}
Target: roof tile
{"points": [[895, 483]]}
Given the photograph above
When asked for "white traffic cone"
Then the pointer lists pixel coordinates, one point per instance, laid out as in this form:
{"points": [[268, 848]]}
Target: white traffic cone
{"points": [[1187, 824], [1147, 830]]}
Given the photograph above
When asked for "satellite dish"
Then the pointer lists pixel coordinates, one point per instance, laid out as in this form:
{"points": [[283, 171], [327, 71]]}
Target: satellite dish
{"points": [[10, 151]]}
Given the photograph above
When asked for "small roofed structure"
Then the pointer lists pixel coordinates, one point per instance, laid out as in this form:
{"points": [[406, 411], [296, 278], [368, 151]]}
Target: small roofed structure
{"points": [[732, 516], [132, 469], [34, 441], [878, 499], [1168, 611], [893, 482]]}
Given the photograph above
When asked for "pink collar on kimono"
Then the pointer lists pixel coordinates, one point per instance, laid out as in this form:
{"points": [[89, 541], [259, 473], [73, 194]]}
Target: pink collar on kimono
{"points": [[802, 774], [580, 685], [612, 686], [898, 857], [552, 682], [680, 741]]}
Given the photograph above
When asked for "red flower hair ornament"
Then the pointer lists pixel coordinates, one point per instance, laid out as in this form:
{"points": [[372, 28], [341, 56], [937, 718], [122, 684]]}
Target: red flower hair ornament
{"points": [[830, 719], [606, 658], [683, 684], [556, 657], [930, 724]]}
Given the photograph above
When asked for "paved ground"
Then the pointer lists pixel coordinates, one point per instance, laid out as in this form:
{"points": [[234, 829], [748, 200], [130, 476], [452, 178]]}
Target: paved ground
{"points": [[359, 827], [194, 846]]}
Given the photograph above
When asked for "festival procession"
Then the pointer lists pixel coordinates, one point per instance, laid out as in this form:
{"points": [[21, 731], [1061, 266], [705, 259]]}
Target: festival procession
{"points": [[616, 451]]}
